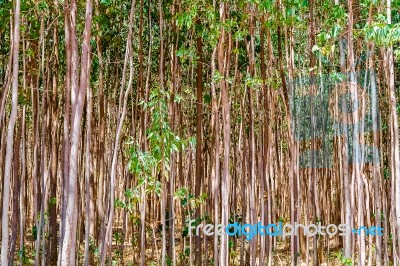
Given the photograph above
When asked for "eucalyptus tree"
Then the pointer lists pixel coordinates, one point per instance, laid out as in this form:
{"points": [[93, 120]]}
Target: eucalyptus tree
{"points": [[10, 137], [164, 112]]}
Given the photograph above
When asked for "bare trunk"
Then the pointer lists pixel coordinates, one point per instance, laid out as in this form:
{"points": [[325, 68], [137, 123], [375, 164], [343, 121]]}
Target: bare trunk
{"points": [[10, 139], [68, 248]]}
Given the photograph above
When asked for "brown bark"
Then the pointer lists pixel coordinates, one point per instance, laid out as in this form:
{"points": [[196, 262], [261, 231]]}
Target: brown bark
{"points": [[199, 159]]}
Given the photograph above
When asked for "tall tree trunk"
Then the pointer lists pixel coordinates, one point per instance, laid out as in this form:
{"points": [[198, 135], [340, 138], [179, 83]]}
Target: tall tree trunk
{"points": [[10, 138], [394, 129], [120, 123], [89, 206], [224, 49], [68, 248], [199, 144], [53, 226], [16, 192]]}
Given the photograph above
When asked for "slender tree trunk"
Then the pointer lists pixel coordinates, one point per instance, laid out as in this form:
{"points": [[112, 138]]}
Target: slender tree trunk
{"points": [[68, 250], [121, 118], [16, 192], [215, 152], [53, 226], [223, 67], [394, 129], [89, 207], [10, 138], [199, 159]]}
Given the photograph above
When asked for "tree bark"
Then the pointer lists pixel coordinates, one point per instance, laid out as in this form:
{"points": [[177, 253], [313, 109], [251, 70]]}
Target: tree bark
{"points": [[10, 138]]}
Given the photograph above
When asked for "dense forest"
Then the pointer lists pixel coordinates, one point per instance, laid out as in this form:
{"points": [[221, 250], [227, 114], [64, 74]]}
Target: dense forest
{"points": [[130, 130]]}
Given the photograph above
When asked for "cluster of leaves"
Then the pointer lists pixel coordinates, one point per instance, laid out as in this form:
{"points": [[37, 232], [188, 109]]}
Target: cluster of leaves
{"points": [[189, 200], [26, 257], [190, 203], [148, 165], [344, 260], [382, 33]]}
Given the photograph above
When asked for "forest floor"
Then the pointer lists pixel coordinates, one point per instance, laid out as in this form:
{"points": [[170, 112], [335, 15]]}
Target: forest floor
{"points": [[281, 256]]}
